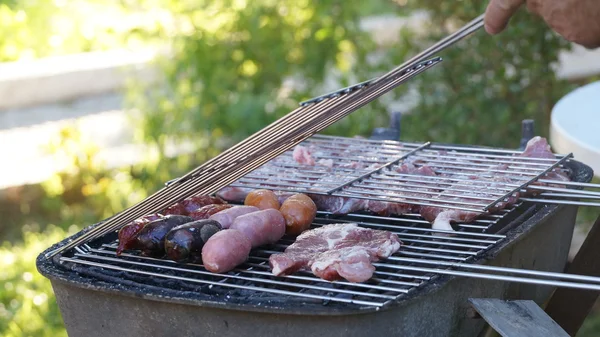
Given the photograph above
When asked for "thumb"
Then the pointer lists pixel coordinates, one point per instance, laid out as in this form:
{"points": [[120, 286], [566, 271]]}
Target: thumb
{"points": [[498, 13]]}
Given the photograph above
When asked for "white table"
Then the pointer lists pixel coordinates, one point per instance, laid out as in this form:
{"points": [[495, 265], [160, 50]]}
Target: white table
{"points": [[575, 125]]}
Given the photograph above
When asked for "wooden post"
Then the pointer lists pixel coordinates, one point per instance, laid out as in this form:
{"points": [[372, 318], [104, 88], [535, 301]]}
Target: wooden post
{"points": [[570, 307]]}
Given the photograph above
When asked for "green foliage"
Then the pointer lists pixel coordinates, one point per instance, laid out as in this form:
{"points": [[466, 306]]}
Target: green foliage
{"points": [[486, 85], [27, 304], [230, 70], [33, 29]]}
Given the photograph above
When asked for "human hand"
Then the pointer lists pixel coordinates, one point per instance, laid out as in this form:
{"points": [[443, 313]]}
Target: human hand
{"points": [[576, 20]]}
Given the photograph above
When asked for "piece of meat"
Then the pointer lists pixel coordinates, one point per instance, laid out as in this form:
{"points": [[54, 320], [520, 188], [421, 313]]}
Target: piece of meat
{"points": [[226, 217], [205, 212], [338, 205], [262, 199], [302, 155], [234, 194], [325, 162], [385, 208], [185, 242], [225, 250], [128, 233], [538, 147], [310, 248], [191, 204], [299, 212], [350, 263], [262, 227], [469, 191], [151, 239]]}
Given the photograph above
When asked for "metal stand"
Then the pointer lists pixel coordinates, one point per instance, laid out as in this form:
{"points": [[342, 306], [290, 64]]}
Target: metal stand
{"points": [[570, 307]]}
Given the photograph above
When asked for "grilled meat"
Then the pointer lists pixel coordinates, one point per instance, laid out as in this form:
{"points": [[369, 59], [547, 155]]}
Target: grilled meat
{"points": [[299, 212], [226, 217], [188, 205], [262, 227], [334, 252], [185, 242], [128, 233], [225, 250], [205, 212], [467, 191], [151, 239], [262, 199]]}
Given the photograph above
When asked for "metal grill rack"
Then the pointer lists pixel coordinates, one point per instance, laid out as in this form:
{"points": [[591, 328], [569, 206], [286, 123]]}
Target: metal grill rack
{"points": [[367, 169], [395, 277]]}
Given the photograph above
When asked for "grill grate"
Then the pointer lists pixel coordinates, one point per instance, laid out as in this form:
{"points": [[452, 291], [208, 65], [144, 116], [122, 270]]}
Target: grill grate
{"points": [[368, 169], [395, 277]]}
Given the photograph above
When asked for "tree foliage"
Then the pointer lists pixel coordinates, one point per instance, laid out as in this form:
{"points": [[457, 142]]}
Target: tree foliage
{"points": [[486, 85]]}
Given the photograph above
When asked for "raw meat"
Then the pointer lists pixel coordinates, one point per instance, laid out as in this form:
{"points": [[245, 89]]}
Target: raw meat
{"points": [[469, 191], [303, 155], [336, 251]]}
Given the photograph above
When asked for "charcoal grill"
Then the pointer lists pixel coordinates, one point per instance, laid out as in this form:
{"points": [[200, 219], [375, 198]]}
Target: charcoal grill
{"points": [[426, 276], [420, 291]]}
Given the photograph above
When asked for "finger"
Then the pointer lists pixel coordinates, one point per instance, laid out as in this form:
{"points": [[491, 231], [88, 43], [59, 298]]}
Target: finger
{"points": [[498, 13]]}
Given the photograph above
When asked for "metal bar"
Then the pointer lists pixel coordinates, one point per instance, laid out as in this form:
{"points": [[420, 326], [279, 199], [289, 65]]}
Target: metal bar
{"points": [[485, 159], [487, 149], [229, 285], [562, 202], [570, 155], [460, 165], [516, 271], [417, 229], [501, 277], [569, 183], [565, 195], [393, 162], [244, 278], [569, 191]]}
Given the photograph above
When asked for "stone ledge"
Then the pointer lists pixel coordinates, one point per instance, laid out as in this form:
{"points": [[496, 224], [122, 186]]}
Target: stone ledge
{"points": [[65, 78]]}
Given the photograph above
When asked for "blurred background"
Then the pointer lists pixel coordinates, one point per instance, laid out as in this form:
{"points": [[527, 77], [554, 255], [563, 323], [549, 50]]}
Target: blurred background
{"points": [[103, 101]]}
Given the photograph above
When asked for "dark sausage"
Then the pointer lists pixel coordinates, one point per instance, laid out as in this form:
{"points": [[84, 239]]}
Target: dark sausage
{"points": [[128, 233], [151, 239], [185, 242], [225, 250], [226, 217], [262, 227], [299, 212]]}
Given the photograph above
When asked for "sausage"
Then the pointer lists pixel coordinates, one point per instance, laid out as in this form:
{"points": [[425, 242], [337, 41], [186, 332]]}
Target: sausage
{"points": [[226, 217], [128, 233], [262, 227], [185, 242], [151, 239], [299, 212], [263, 199], [188, 205], [225, 250], [205, 212]]}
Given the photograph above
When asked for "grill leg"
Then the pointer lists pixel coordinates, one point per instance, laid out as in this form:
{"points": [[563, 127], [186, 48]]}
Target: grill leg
{"points": [[390, 133], [570, 307]]}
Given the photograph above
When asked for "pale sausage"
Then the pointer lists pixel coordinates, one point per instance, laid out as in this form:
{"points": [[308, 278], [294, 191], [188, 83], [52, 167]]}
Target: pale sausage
{"points": [[225, 250], [262, 227], [226, 217]]}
